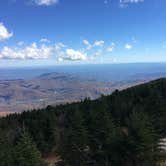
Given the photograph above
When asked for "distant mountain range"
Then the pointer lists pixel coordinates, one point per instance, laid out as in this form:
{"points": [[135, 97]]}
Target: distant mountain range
{"points": [[49, 88], [56, 88]]}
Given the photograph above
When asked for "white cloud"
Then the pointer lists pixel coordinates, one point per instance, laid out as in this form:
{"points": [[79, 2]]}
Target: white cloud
{"points": [[72, 55], [60, 59], [110, 49], [131, 1], [4, 33], [99, 43], [125, 3], [29, 52], [86, 43], [42, 51], [44, 40], [59, 46], [45, 2], [60, 51], [128, 46]]}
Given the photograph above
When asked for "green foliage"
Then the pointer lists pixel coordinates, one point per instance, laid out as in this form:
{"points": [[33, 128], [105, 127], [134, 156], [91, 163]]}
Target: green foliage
{"points": [[6, 151], [121, 129], [26, 153], [100, 131], [74, 140]]}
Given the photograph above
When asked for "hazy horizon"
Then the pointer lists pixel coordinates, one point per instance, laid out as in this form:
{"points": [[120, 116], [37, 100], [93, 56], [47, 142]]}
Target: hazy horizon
{"points": [[112, 72]]}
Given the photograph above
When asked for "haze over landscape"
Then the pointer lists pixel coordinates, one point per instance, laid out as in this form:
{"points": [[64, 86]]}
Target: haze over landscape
{"points": [[82, 83], [31, 87]]}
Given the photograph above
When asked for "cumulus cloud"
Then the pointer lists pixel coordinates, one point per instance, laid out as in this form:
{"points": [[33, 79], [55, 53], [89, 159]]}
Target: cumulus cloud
{"points": [[97, 43], [128, 46], [61, 52], [45, 2], [42, 51], [29, 52], [72, 55], [4, 33]]}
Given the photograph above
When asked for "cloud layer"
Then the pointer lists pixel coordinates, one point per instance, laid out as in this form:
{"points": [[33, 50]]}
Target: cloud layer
{"points": [[28, 52], [125, 3], [131, 1], [45, 49], [34, 51], [4, 33]]}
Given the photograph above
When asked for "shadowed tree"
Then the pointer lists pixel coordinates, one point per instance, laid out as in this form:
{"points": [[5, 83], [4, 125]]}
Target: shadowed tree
{"points": [[26, 152]]}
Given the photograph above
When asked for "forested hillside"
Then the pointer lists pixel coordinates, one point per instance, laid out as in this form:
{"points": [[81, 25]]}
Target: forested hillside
{"points": [[123, 128]]}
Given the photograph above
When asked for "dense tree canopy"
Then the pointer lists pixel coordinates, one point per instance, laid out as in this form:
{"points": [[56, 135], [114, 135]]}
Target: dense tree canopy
{"points": [[123, 128]]}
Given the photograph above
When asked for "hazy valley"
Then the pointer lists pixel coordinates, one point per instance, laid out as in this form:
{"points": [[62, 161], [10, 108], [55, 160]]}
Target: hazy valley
{"points": [[55, 88], [21, 91]]}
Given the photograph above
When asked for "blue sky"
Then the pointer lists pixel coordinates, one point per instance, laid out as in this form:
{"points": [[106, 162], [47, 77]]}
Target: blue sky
{"points": [[51, 32]]}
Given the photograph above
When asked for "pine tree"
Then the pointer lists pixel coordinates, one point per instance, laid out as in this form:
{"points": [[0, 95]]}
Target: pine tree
{"points": [[73, 144], [143, 139], [26, 153], [6, 149], [101, 128]]}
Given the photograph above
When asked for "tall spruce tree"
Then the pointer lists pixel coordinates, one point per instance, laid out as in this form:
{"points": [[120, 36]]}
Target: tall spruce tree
{"points": [[74, 140], [143, 140], [26, 152], [101, 128]]}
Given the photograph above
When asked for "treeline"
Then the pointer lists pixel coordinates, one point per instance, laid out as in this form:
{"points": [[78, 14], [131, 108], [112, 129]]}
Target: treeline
{"points": [[124, 128]]}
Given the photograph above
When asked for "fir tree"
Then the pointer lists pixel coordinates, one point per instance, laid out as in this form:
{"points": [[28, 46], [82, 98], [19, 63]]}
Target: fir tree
{"points": [[6, 151], [26, 152], [74, 140]]}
